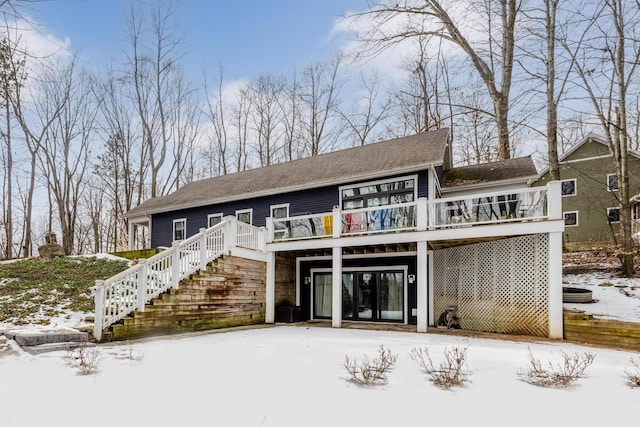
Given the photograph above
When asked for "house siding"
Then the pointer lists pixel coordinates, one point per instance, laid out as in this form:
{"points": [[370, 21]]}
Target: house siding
{"points": [[313, 201], [592, 197]]}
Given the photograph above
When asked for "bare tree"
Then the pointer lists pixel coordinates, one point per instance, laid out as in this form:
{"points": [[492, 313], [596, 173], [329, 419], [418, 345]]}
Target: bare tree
{"points": [[64, 159], [541, 63], [241, 112], [12, 75], [291, 120], [423, 101], [369, 114], [217, 151], [493, 58], [158, 90], [266, 116], [608, 52], [476, 132], [34, 118], [320, 87]]}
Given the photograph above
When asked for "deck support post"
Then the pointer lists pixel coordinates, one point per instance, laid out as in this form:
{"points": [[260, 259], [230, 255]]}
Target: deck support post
{"points": [[556, 329], [270, 288], [422, 283], [336, 288]]}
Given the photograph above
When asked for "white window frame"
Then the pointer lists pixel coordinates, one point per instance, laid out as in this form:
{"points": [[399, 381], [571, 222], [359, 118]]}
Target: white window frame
{"points": [[184, 231], [577, 218], [382, 181], [279, 233], [243, 211], [280, 206], [608, 186], [609, 210], [575, 187], [215, 215]]}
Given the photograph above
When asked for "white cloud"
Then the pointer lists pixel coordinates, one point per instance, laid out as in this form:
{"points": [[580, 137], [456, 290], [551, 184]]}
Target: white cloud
{"points": [[37, 44]]}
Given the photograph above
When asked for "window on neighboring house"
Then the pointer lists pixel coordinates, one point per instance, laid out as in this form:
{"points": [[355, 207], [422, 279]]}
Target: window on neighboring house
{"points": [[568, 187], [179, 229], [214, 219], [613, 215], [245, 215], [612, 182], [379, 193], [280, 211], [571, 219]]}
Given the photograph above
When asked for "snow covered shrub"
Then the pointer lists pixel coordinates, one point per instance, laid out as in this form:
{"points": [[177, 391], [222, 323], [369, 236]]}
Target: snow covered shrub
{"points": [[130, 354], [560, 375], [371, 373], [451, 372], [84, 358], [633, 375]]}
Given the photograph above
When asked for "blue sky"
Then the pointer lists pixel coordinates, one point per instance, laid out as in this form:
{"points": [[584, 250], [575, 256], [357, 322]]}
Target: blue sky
{"points": [[248, 38]]}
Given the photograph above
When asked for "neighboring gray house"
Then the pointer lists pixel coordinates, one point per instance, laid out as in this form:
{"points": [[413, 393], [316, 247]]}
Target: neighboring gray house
{"points": [[404, 235]]}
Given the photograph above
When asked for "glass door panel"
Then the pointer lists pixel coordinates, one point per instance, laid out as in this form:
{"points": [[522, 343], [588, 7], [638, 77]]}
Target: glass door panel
{"points": [[322, 295], [366, 295], [391, 296], [347, 296]]}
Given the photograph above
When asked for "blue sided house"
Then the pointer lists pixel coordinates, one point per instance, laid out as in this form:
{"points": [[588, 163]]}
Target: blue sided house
{"points": [[386, 233]]}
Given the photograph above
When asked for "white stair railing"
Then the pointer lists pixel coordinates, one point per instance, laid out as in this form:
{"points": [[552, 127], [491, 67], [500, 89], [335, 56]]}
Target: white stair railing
{"points": [[128, 291]]}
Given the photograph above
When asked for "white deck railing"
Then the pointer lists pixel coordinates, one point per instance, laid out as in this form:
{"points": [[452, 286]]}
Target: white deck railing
{"points": [[492, 208], [130, 290], [528, 204]]}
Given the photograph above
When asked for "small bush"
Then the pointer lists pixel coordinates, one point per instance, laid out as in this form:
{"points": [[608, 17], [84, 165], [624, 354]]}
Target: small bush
{"points": [[371, 373], [560, 375], [633, 375], [451, 372], [84, 358], [130, 354]]}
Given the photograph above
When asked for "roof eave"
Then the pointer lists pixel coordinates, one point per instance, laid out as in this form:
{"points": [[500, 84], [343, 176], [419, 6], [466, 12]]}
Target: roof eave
{"points": [[487, 184], [353, 178]]}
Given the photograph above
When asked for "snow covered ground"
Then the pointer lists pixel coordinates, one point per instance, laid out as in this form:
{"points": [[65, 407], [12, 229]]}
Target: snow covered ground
{"points": [[294, 376], [613, 297]]}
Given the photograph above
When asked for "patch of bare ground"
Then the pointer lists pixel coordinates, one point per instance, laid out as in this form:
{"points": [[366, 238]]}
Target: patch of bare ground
{"points": [[603, 259]]}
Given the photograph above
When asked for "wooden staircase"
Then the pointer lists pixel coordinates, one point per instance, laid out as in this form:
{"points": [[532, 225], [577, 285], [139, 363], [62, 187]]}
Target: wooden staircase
{"points": [[230, 292]]}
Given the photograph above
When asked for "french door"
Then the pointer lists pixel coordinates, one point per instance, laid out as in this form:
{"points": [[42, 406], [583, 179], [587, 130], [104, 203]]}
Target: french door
{"points": [[368, 295]]}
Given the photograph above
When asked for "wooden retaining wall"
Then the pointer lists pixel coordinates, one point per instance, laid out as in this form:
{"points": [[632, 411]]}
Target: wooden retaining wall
{"points": [[584, 328], [230, 292]]}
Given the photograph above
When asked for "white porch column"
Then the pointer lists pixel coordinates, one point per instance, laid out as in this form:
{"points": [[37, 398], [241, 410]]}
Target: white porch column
{"points": [[270, 289], [555, 286], [430, 291], [131, 244], [422, 283], [336, 288]]}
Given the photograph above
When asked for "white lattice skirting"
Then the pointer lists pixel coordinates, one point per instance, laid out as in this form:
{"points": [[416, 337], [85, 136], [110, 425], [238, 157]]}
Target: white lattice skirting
{"points": [[499, 286]]}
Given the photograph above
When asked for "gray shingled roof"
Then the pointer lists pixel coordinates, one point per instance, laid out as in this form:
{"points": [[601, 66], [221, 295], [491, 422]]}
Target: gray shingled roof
{"points": [[400, 155], [510, 169]]}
